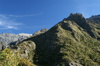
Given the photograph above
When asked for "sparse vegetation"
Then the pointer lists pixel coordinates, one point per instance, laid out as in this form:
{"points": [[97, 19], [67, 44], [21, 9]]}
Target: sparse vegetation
{"points": [[8, 58]]}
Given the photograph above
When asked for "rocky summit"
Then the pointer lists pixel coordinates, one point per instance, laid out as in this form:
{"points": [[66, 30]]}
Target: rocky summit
{"points": [[75, 41]]}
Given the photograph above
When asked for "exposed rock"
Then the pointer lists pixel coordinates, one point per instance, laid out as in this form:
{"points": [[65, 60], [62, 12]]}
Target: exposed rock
{"points": [[44, 30], [8, 39], [82, 22], [26, 49], [74, 64], [40, 32]]}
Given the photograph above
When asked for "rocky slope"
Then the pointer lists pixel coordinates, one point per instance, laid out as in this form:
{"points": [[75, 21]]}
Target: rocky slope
{"points": [[7, 39], [73, 41], [26, 49], [40, 32]]}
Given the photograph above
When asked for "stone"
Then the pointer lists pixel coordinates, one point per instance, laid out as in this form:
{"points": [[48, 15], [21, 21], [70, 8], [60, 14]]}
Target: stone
{"points": [[9, 39]]}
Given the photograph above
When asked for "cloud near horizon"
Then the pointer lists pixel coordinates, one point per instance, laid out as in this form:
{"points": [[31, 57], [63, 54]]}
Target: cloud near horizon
{"points": [[8, 22], [6, 16], [9, 25]]}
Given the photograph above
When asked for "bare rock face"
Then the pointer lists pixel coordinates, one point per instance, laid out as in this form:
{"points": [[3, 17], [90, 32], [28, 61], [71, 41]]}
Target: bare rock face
{"points": [[71, 64], [44, 30], [40, 32], [7, 39], [74, 64]]}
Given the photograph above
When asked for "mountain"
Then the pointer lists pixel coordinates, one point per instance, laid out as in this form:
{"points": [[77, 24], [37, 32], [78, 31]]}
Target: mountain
{"points": [[72, 42], [7, 39], [94, 19]]}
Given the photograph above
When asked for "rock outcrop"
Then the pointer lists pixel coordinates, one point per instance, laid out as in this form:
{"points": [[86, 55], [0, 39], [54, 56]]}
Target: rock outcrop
{"points": [[40, 32], [26, 49]]}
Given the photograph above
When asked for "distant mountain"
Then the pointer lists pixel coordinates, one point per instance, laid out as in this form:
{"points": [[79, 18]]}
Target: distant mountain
{"points": [[94, 16], [7, 39], [75, 41], [94, 19]]}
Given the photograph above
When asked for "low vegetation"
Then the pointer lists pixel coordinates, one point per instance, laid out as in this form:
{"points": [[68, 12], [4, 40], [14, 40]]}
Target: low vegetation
{"points": [[8, 58]]}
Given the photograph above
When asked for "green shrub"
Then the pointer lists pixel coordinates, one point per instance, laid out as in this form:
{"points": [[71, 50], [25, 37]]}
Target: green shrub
{"points": [[8, 58]]}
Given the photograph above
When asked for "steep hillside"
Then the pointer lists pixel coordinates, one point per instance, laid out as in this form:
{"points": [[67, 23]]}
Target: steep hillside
{"points": [[25, 49], [72, 41]]}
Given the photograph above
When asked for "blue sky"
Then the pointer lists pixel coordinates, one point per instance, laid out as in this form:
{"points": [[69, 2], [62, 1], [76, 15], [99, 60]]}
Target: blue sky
{"points": [[29, 16]]}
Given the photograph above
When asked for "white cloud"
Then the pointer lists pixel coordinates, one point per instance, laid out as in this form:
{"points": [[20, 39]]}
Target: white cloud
{"points": [[8, 24], [8, 27], [11, 27], [2, 16], [0, 23], [5, 16]]}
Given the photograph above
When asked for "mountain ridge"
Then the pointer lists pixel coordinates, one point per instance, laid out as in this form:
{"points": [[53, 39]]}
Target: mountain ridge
{"points": [[70, 35], [72, 42]]}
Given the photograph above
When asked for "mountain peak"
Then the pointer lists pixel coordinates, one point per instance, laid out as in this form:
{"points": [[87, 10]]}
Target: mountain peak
{"points": [[75, 17], [78, 18], [76, 14]]}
